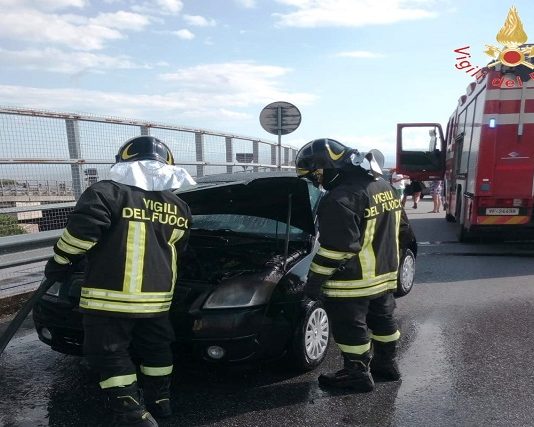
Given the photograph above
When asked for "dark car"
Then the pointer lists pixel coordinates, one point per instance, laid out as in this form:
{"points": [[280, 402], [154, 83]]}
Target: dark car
{"points": [[240, 293]]}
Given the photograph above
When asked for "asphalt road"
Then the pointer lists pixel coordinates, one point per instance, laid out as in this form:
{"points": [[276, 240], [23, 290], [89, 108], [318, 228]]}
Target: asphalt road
{"points": [[465, 357]]}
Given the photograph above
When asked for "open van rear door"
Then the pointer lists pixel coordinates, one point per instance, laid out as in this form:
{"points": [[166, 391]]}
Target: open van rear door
{"points": [[421, 151]]}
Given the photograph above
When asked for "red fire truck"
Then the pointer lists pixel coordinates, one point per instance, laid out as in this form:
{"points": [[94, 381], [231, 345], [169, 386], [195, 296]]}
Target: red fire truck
{"points": [[485, 157]]}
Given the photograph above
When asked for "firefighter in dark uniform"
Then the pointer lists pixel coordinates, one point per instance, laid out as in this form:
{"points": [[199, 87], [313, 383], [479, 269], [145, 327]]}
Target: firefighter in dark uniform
{"points": [[355, 269], [132, 231]]}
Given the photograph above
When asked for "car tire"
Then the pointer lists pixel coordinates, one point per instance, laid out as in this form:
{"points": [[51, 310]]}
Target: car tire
{"points": [[311, 338], [406, 274]]}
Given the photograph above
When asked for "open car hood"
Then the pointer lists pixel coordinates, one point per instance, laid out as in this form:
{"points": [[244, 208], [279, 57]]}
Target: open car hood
{"points": [[254, 194]]}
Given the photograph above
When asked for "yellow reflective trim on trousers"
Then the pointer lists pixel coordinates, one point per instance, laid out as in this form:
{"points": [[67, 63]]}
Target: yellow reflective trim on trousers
{"points": [[61, 260], [355, 349], [156, 372], [351, 284], [65, 247], [327, 253], [119, 381], [355, 293], [124, 297], [316, 268], [367, 255], [176, 235], [386, 338], [124, 307], [71, 240], [135, 255]]}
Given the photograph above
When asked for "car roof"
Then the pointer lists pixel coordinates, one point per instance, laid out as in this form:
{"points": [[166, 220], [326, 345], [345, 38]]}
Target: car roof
{"points": [[259, 194]]}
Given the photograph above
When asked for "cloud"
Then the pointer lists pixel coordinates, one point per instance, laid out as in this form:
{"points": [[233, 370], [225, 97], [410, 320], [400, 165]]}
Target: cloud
{"points": [[28, 25], [240, 78], [359, 54], [249, 4], [199, 21], [232, 86], [43, 4], [122, 20], [213, 91], [75, 31], [184, 34], [159, 7], [171, 6], [350, 13], [55, 60]]}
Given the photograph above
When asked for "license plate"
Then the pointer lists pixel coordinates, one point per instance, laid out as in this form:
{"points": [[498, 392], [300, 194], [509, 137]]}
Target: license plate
{"points": [[502, 211]]}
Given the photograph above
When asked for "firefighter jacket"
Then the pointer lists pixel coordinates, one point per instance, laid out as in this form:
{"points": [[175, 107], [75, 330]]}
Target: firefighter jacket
{"points": [[133, 240], [359, 222]]}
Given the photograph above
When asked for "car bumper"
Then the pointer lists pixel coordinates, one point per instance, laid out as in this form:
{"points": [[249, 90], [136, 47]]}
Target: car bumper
{"points": [[231, 336], [240, 335]]}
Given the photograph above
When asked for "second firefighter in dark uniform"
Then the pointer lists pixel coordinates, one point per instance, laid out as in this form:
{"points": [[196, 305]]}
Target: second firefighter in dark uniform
{"points": [[132, 230], [355, 269]]}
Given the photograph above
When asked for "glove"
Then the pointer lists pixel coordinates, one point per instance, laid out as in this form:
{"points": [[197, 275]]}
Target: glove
{"points": [[313, 287], [56, 271]]}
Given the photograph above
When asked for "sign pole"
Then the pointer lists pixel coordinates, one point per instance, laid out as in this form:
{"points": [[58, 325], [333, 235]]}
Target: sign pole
{"points": [[279, 138]]}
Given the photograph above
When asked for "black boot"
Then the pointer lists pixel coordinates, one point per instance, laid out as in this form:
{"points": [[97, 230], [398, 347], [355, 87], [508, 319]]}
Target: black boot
{"points": [[127, 408], [157, 395], [355, 375], [384, 365]]}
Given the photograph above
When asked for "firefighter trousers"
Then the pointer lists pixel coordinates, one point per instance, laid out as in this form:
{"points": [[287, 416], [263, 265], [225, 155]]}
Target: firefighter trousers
{"points": [[111, 344], [358, 320]]}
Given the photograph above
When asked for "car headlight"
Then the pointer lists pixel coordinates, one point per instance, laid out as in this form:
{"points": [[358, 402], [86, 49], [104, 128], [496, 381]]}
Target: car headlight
{"points": [[239, 294]]}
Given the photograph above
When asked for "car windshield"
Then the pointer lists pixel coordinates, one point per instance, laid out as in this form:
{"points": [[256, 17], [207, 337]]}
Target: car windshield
{"points": [[263, 227]]}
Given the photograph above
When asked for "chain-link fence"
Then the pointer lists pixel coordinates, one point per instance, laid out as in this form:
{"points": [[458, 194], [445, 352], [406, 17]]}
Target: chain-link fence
{"points": [[47, 159]]}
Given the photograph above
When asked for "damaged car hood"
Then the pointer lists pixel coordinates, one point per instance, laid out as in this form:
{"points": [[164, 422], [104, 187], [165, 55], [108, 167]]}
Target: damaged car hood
{"points": [[263, 195]]}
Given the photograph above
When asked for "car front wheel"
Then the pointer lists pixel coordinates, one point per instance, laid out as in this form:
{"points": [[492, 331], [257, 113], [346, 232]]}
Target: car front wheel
{"points": [[311, 339], [406, 273]]}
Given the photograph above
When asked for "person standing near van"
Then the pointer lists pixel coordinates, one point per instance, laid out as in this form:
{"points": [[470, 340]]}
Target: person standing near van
{"points": [[398, 183], [436, 189]]}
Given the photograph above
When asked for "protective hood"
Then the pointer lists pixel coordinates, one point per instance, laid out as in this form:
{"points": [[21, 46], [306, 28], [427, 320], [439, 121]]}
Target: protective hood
{"points": [[150, 175], [373, 161]]}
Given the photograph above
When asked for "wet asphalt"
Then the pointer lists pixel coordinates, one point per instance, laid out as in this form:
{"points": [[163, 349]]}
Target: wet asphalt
{"points": [[465, 357]]}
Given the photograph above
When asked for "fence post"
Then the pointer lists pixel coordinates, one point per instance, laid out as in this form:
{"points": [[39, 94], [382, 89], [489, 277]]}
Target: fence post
{"points": [[286, 156], [73, 139], [145, 130], [199, 144], [255, 154], [229, 153], [273, 156], [293, 156]]}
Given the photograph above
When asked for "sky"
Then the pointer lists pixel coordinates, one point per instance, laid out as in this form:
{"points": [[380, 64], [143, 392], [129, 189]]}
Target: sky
{"points": [[353, 68]]}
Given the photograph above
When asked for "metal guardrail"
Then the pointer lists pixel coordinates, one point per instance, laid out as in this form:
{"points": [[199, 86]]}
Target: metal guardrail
{"points": [[48, 159]]}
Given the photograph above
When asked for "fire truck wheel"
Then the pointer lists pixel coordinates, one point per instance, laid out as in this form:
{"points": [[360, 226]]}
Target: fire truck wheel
{"points": [[464, 235]]}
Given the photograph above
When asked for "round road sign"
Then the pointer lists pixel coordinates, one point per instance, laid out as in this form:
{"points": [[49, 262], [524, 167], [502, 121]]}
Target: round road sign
{"points": [[280, 118]]}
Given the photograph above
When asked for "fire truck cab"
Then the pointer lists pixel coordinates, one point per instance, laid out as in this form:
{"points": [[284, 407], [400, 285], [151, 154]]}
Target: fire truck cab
{"points": [[485, 157]]}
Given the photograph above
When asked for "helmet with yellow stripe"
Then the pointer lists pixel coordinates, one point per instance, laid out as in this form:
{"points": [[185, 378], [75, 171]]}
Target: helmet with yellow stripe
{"points": [[144, 148], [319, 155]]}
